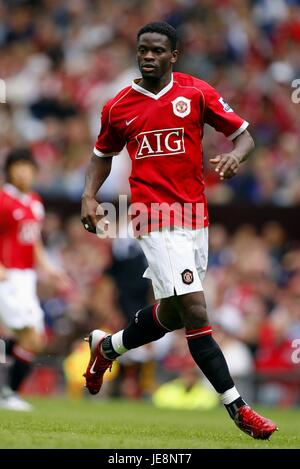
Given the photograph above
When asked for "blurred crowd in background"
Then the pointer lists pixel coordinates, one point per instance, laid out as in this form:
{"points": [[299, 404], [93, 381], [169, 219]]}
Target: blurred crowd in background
{"points": [[61, 61]]}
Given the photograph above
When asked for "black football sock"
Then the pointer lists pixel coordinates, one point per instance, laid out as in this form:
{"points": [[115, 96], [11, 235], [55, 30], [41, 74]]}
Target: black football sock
{"points": [[20, 368], [145, 327], [9, 345], [210, 359]]}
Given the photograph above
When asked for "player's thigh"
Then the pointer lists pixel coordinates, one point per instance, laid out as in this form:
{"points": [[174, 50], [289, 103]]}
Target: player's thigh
{"points": [[172, 265], [192, 305], [11, 303], [201, 251]]}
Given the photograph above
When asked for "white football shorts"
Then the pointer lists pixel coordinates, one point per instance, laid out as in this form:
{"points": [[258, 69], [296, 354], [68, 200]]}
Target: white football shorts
{"points": [[177, 260], [19, 304]]}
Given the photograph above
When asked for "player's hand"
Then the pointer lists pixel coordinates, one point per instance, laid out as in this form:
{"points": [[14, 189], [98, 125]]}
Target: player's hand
{"points": [[227, 165], [90, 217], [3, 274], [89, 207]]}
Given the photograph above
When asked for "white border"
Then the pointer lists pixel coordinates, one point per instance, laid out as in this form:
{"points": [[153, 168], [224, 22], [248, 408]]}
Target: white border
{"points": [[101, 155], [239, 131]]}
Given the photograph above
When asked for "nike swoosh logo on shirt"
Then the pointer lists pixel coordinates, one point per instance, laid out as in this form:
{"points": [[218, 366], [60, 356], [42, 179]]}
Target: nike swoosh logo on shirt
{"points": [[92, 367], [131, 120]]}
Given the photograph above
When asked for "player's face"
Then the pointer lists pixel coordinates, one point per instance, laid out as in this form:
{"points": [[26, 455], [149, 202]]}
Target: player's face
{"points": [[154, 55], [21, 175]]}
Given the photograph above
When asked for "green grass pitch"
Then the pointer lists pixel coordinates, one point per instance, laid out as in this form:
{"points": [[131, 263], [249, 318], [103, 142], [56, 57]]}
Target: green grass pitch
{"points": [[95, 423]]}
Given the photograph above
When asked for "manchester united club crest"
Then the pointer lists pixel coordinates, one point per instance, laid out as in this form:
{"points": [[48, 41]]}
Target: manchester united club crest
{"points": [[187, 276], [181, 106]]}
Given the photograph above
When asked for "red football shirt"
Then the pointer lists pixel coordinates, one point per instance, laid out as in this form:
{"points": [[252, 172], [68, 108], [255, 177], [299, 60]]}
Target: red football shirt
{"points": [[163, 135], [21, 217]]}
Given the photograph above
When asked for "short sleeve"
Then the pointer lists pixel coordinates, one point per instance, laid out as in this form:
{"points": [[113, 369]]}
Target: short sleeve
{"points": [[221, 116], [3, 212], [109, 142]]}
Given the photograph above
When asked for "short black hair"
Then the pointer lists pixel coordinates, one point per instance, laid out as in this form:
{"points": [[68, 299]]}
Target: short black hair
{"points": [[19, 154], [162, 28]]}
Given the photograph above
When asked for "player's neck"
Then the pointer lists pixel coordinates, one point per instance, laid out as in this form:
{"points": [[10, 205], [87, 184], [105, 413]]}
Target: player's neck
{"points": [[22, 189], [155, 85]]}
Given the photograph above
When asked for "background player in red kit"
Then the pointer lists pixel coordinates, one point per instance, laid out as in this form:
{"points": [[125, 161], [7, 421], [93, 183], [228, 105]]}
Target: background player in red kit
{"points": [[160, 119], [21, 249]]}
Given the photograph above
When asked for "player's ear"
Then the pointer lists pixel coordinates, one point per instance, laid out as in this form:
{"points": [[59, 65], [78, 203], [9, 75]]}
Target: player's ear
{"points": [[174, 57]]}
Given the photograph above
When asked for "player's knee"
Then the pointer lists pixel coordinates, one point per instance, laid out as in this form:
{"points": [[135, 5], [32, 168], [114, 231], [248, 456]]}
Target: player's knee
{"points": [[36, 346], [174, 324], [30, 340], [195, 315], [178, 325]]}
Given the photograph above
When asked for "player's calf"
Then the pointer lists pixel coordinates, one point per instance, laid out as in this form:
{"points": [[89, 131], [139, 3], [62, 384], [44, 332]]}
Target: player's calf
{"points": [[145, 327], [21, 367]]}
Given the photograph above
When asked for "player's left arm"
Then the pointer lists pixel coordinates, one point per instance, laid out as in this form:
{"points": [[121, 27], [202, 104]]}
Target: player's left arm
{"points": [[57, 276], [227, 164], [219, 114]]}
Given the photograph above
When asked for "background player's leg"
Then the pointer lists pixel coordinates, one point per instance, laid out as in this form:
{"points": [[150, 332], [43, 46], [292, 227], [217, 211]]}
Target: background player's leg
{"points": [[23, 350], [9, 345], [205, 350], [27, 346], [149, 324]]}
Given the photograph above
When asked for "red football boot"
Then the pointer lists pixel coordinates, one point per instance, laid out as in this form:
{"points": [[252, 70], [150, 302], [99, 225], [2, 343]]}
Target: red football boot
{"points": [[254, 424], [98, 364]]}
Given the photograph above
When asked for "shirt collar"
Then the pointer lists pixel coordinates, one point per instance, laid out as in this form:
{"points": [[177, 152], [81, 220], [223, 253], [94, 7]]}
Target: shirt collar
{"points": [[16, 194], [142, 90]]}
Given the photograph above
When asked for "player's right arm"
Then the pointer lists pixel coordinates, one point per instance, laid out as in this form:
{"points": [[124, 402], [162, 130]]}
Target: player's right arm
{"points": [[109, 144], [97, 172]]}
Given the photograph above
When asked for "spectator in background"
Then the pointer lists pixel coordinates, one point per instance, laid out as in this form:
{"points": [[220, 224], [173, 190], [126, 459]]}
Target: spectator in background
{"points": [[185, 392]]}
